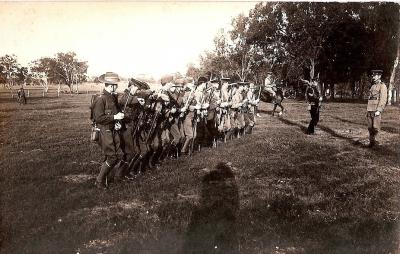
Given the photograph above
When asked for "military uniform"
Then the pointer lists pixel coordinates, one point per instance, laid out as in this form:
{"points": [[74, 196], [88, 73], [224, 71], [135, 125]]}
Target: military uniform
{"points": [[269, 86], [250, 113], [313, 97], [377, 100], [104, 109], [191, 100], [21, 96]]}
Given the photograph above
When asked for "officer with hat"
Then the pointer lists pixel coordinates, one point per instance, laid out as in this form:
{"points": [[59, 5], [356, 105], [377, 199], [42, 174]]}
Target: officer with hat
{"points": [[314, 99], [107, 116], [377, 100]]}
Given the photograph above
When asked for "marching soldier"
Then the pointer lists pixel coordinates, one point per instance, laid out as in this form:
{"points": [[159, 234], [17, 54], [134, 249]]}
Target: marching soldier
{"points": [[238, 102], [131, 104], [314, 99], [224, 110], [173, 134], [376, 104], [107, 116], [251, 111], [189, 111]]}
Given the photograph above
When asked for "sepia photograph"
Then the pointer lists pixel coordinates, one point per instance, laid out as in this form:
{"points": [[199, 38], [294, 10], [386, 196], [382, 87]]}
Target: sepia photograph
{"points": [[199, 127]]}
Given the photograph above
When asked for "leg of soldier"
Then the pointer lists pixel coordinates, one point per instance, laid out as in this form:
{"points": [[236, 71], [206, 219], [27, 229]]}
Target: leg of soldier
{"points": [[374, 125], [176, 138], [273, 111], [166, 142], [188, 130], [108, 147], [156, 146], [313, 113], [232, 130], [129, 152]]}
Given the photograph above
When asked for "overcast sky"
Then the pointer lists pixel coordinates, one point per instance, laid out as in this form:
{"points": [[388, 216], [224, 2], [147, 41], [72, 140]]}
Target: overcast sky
{"points": [[129, 38]]}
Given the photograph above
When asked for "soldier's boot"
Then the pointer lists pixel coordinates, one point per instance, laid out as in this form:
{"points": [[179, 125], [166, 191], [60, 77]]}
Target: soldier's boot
{"points": [[237, 133], [186, 146], [372, 139], [101, 180], [121, 171], [165, 153], [136, 165], [250, 130]]}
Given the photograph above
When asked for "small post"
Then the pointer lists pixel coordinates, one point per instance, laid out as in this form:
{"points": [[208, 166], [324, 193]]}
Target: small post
{"points": [[28, 93], [58, 92]]}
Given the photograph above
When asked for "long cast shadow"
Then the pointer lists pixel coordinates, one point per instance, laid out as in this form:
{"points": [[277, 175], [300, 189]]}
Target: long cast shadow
{"points": [[383, 150], [212, 227], [384, 128]]}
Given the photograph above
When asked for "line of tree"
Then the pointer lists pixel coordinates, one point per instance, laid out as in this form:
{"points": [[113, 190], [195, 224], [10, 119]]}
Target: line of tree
{"points": [[338, 42], [62, 69]]}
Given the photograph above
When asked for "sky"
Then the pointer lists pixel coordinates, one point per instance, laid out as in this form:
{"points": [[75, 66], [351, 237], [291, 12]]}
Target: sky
{"points": [[130, 38]]}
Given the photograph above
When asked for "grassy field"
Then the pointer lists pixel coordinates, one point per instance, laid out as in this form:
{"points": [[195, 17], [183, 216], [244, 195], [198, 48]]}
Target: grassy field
{"points": [[291, 193]]}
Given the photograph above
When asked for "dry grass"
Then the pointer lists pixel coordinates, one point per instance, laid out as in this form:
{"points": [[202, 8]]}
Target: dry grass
{"points": [[295, 193]]}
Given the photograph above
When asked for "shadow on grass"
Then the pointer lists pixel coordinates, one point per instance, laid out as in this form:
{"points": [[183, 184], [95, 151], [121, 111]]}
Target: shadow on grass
{"points": [[293, 123], [212, 227], [384, 128]]}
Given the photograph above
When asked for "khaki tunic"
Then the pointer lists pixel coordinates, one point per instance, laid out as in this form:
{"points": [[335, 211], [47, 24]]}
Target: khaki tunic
{"points": [[376, 102]]}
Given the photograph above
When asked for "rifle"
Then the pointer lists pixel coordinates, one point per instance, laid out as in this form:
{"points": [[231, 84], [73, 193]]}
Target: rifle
{"points": [[187, 102]]}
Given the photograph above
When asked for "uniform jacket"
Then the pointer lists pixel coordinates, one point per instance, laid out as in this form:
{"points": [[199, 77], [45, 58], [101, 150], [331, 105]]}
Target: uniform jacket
{"points": [[104, 109], [132, 109], [313, 94], [377, 97], [237, 98]]}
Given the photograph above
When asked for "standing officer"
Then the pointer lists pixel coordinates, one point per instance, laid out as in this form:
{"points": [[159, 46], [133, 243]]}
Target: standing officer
{"points": [[314, 98], [107, 116], [376, 103]]}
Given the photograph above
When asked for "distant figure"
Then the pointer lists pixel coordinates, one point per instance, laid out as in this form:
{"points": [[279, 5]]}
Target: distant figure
{"points": [[269, 85], [314, 99], [277, 101], [21, 96], [212, 227], [377, 99]]}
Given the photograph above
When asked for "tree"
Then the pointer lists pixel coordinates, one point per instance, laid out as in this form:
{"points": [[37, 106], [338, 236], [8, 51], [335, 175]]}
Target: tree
{"points": [[10, 70], [63, 68]]}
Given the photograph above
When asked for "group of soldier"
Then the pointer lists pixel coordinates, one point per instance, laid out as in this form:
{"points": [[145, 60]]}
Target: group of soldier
{"points": [[142, 127]]}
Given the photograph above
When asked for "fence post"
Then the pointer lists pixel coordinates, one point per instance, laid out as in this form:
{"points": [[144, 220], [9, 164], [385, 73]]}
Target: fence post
{"points": [[58, 92], [28, 93]]}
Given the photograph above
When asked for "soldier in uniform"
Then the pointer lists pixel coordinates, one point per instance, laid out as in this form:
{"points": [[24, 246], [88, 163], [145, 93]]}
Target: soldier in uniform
{"points": [[173, 135], [251, 111], [224, 125], [269, 85], [107, 116], [376, 104], [238, 102], [189, 115], [131, 104], [21, 96], [314, 99]]}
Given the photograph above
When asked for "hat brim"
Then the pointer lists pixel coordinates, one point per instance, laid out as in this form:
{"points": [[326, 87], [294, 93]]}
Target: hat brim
{"points": [[113, 81]]}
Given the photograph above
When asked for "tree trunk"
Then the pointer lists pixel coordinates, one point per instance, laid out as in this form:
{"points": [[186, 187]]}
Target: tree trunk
{"points": [[392, 77], [332, 88], [312, 69]]}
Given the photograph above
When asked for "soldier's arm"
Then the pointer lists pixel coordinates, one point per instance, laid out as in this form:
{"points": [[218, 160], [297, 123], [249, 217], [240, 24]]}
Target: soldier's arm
{"points": [[235, 101], [131, 100], [382, 98], [99, 114]]}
